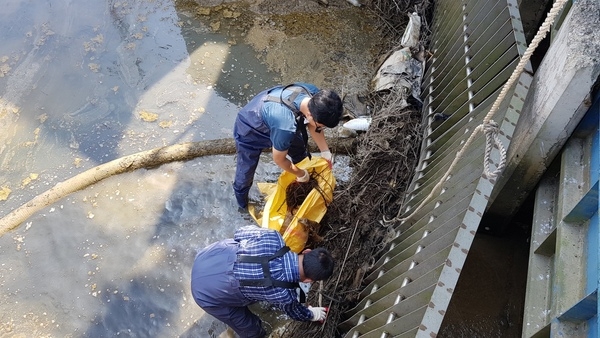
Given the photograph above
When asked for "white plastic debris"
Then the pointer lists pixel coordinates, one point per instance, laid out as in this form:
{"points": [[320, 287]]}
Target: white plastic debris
{"points": [[411, 33], [358, 124], [400, 71], [393, 70]]}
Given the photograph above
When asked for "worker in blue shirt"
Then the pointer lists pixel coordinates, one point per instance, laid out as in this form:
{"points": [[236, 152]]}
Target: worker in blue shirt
{"points": [[279, 118], [256, 265]]}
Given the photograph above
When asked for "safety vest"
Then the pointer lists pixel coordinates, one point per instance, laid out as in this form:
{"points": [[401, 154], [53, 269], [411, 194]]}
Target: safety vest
{"points": [[268, 280], [289, 103]]}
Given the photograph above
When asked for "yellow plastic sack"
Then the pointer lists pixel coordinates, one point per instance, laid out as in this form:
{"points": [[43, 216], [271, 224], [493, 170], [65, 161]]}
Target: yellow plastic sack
{"points": [[313, 208]]}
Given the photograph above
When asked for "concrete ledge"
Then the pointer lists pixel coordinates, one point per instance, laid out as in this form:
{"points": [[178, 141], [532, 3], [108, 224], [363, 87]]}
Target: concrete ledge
{"points": [[557, 100]]}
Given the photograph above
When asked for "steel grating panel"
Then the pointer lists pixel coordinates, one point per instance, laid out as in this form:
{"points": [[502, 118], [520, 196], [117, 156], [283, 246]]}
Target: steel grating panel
{"points": [[476, 45], [443, 223]]}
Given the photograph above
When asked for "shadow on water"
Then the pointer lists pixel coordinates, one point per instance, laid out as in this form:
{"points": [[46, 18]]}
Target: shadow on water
{"points": [[199, 329], [80, 74], [89, 83], [241, 74], [199, 210], [144, 313]]}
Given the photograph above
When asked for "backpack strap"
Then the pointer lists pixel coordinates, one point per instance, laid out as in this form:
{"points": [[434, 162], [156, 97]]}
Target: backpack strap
{"points": [[264, 262], [289, 103], [289, 100]]}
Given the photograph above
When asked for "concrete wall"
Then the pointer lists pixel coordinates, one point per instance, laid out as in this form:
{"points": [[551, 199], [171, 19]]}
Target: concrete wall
{"points": [[557, 100]]}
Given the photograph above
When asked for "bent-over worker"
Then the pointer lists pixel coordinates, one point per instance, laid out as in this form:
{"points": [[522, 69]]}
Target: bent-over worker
{"points": [[256, 265], [279, 118]]}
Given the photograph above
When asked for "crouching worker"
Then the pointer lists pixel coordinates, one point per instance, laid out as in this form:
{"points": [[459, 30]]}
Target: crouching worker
{"points": [[254, 266], [281, 118]]}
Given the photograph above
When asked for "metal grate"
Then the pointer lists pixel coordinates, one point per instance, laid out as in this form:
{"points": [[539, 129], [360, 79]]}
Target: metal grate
{"points": [[476, 45]]}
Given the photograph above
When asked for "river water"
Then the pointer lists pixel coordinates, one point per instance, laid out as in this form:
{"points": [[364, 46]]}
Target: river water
{"points": [[86, 82]]}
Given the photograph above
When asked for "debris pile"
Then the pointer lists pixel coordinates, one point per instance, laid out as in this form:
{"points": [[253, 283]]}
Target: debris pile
{"points": [[387, 153]]}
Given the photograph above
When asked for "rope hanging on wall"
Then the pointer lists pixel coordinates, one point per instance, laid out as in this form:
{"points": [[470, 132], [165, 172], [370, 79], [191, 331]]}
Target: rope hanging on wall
{"points": [[488, 126]]}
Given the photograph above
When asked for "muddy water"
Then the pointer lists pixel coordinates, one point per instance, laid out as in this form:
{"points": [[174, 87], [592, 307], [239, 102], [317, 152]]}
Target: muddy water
{"points": [[83, 83]]}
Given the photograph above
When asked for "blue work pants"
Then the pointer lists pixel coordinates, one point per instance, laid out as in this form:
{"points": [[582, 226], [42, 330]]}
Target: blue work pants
{"points": [[217, 292], [252, 136]]}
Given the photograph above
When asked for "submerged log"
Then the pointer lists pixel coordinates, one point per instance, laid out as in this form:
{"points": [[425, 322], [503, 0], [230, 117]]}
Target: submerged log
{"points": [[145, 159]]}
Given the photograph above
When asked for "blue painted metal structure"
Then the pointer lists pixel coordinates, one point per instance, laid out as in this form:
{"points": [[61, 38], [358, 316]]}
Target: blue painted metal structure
{"points": [[586, 211], [565, 250]]}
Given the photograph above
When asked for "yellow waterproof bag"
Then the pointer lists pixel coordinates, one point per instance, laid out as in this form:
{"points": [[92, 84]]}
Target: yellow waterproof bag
{"points": [[313, 208]]}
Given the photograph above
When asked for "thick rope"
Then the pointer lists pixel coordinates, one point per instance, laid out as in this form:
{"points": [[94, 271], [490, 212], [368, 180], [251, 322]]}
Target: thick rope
{"points": [[489, 127], [491, 137]]}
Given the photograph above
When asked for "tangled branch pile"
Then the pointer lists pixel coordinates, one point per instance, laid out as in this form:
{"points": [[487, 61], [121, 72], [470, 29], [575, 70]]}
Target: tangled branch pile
{"points": [[352, 231], [382, 169], [393, 18]]}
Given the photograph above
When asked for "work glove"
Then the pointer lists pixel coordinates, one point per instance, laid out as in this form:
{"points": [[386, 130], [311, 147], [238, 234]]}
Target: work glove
{"points": [[304, 178], [327, 156], [318, 313]]}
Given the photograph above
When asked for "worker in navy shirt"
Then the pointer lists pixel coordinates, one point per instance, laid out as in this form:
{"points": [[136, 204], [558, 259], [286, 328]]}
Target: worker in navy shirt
{"points": [[281, 118], [256, 265]]}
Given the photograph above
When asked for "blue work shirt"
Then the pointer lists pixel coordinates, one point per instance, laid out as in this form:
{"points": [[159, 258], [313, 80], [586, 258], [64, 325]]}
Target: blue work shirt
{"points": [[280, 120], [256, 241]]}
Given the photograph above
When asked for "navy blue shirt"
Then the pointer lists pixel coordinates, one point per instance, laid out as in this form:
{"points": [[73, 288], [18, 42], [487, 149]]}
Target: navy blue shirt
{"points": [[280, 119]]}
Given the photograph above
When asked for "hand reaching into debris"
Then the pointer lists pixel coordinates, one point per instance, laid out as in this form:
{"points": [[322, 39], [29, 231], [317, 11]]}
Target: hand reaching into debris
{"points": [[319, 313]]}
